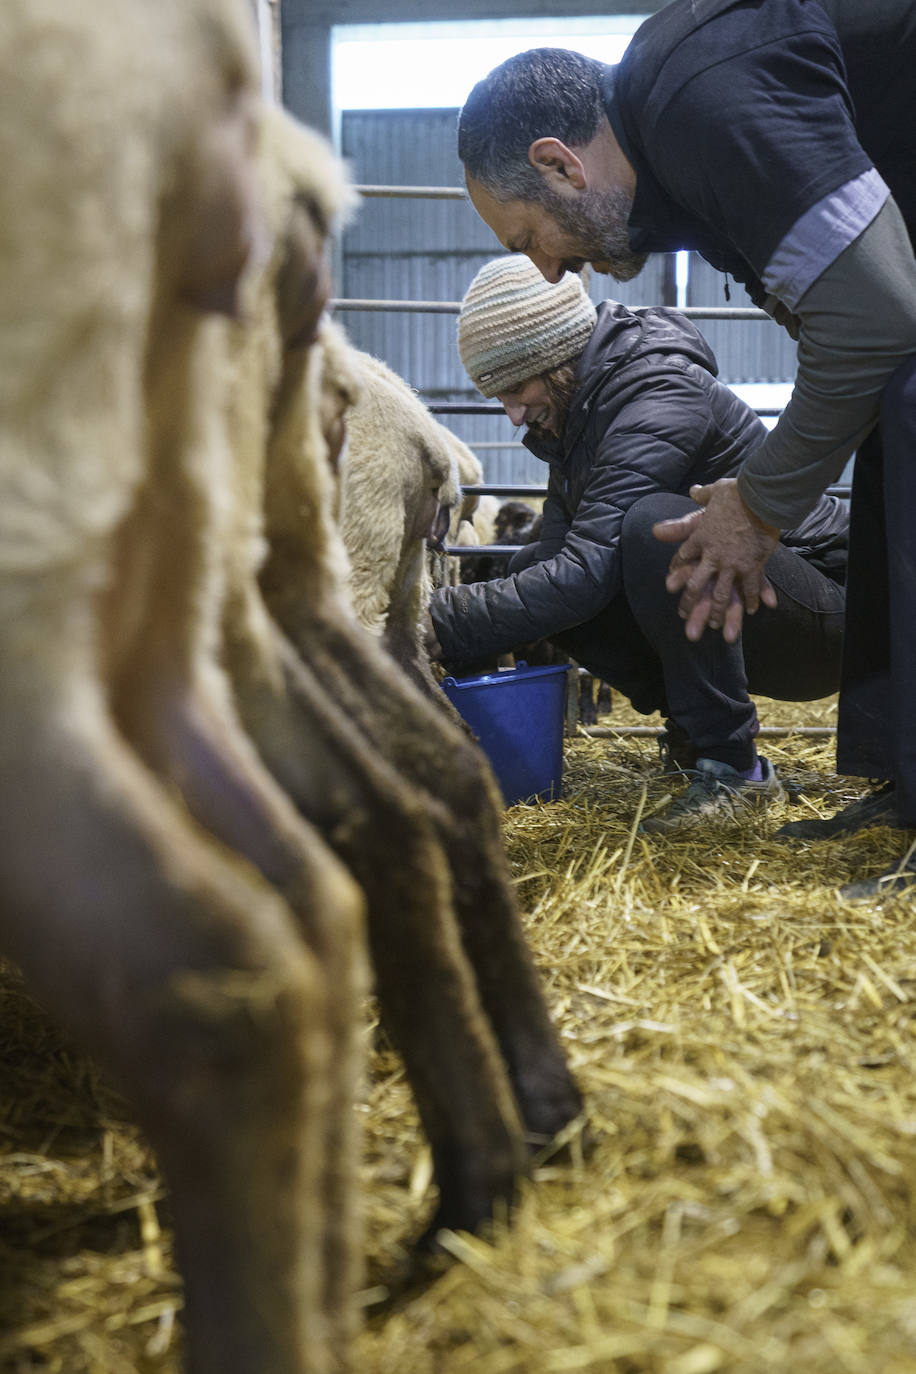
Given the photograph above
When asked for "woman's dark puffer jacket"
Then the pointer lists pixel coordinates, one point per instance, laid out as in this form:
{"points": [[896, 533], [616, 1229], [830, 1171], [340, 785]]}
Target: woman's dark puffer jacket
{"points": [[648, 416]]}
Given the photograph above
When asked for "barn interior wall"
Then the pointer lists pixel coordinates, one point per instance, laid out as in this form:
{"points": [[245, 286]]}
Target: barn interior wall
{"points": [[306, 34]]}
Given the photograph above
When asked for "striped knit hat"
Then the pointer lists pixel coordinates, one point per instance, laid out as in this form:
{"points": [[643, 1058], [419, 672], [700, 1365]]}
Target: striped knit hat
{"points": [[514, 325]]}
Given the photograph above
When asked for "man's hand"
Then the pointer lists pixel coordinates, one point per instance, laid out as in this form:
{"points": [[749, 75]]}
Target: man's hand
{"points": [[719, 567]]}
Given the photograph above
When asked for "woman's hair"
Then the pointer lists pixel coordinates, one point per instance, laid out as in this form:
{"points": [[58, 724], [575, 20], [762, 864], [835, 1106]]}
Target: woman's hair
{"points": [[542, 93], [561, 386]]}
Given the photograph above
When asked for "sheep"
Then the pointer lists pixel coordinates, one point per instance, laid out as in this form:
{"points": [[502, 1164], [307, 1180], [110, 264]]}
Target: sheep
{"points": [[159, 890], [451, 781], [432, 750], [360, 751], [484, 519], [470, 475], [399, 491], [353, 797], [442, 567], [509, 522]]}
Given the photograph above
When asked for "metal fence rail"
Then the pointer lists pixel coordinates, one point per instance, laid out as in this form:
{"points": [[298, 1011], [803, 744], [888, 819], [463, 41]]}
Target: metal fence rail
{"points": [[693, 312], [414, 192], [655, 732]]}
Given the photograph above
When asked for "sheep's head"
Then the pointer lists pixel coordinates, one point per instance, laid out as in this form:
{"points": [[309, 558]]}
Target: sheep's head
{"points": [[446, 495], [514, 520], [305, 389]]}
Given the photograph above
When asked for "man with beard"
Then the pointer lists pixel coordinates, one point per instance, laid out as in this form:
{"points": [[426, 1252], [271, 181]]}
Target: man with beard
{"points": [[625, 408], [778, 139]]}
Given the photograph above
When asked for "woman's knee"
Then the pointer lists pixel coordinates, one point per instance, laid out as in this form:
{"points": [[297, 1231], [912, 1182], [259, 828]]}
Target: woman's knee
{"points": [[643, 557], [648, 511]]}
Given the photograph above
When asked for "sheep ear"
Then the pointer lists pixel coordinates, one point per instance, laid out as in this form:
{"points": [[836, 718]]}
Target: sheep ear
{"points": [[435, 538], [303, 283]]}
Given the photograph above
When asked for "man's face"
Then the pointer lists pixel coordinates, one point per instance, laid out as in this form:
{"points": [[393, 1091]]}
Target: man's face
{"points": [[531, 405], [564, 232]]}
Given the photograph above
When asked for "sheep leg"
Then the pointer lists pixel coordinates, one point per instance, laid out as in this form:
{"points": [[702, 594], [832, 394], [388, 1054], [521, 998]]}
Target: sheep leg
{"points": [[183, 972], [191, 736], [173, 703], [425, 747], [425, 986], [509, 986]]}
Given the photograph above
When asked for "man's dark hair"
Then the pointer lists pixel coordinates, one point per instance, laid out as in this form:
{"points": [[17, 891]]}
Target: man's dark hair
{"points": [[542, 93]]}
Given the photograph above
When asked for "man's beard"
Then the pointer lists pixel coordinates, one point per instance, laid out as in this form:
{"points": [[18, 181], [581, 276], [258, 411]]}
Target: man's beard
{"points": [[598, 222]]}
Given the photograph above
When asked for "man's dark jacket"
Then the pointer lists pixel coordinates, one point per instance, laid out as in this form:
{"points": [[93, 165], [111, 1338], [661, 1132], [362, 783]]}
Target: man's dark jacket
{"points": [[648, 416], [793, 97]]}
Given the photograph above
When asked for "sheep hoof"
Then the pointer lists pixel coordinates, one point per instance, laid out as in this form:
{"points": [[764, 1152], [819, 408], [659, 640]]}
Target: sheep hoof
{"points": [[471, 1203], [550, 1106], [433, 1250]]}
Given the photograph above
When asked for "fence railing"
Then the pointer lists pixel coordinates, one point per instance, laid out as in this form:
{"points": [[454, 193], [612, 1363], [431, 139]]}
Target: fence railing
{"points": [[693, 312]]}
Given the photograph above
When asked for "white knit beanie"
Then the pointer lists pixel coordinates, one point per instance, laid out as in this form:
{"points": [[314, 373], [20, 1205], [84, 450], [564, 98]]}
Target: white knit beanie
{"points": [[514, 325]]}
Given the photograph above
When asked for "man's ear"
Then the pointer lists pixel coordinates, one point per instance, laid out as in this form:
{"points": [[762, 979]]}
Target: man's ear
{"points": [[558, 163]]}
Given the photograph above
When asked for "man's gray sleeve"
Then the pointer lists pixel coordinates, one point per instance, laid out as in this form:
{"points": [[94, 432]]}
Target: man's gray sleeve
{"points": [[858, 325]]}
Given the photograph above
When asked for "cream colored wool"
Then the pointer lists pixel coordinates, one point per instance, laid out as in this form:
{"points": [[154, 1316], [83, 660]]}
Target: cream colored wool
{"points": [[470, 474], [398, 788], [401, 470], [443, 569], [514, 325], [145, 848]]}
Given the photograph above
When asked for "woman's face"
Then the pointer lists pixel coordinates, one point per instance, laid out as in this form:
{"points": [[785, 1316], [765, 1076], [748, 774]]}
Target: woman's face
{"points": [[531, 405]]}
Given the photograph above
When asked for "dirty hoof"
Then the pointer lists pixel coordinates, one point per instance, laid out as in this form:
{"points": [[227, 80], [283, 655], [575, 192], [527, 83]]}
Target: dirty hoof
{"points": [[548, 1106]]}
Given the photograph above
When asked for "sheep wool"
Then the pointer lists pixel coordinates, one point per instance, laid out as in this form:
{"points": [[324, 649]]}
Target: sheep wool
{"points": [[514, 325]]}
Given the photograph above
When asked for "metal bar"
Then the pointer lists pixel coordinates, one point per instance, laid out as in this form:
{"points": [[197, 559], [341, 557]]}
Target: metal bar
{"points": [[418, 192], [693, 312], [431, 307], [463, 550], [465, 408], [653, 731], [504, 489], [494, 408], [519, 489]]}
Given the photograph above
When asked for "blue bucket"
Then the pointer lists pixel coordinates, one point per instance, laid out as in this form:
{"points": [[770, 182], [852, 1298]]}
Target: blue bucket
{"points": [[517, 714]]}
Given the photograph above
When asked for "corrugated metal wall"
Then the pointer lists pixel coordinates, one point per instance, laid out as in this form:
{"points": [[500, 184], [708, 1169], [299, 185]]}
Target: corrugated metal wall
{"points": [[429, 250], [747, 350]]}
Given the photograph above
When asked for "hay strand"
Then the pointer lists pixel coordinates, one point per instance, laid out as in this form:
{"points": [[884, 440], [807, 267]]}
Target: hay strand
{"points": [[745, 1040]]}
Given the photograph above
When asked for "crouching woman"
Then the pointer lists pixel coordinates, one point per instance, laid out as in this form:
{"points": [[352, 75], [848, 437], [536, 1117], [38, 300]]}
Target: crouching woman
{"points": [[625, 408]]}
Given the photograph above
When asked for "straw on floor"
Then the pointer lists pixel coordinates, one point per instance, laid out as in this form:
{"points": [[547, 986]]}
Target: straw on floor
{"points": [[745, 1202]]}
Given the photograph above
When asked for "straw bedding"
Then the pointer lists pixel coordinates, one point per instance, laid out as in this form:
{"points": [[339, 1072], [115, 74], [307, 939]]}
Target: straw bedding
{"points": [[744, 1197]]}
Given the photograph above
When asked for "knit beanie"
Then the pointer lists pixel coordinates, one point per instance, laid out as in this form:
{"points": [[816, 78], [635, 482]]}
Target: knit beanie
{"points": [[514, 325]]}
